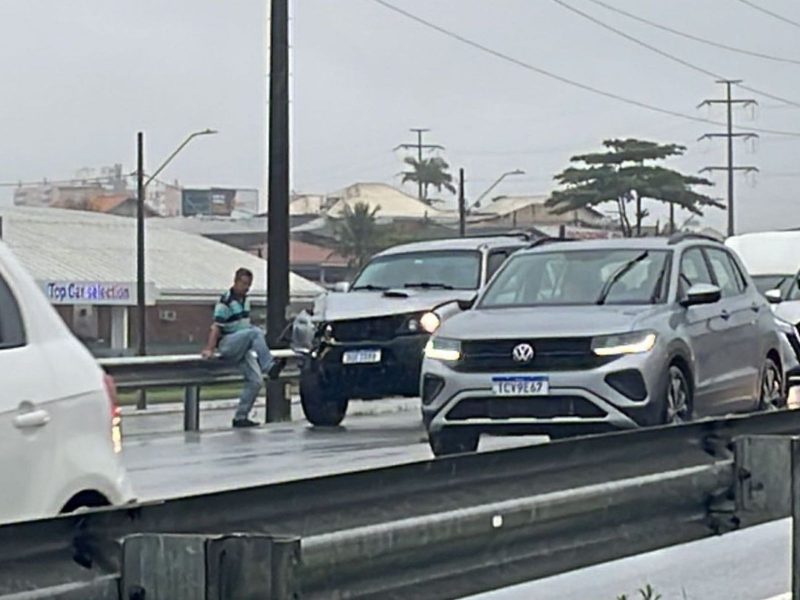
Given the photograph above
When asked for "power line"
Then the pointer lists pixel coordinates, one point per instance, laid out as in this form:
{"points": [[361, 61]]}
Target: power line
{"points": [[696, 38], [667, 55], [775, 15], [565, 80]]}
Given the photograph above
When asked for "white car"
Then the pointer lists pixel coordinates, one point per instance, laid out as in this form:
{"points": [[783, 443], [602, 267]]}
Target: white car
{"points": [[59, 420]]}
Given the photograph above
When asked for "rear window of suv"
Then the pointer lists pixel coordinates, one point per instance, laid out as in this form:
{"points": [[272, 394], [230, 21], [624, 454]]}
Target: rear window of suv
{"points": [[12, 331], [450, 270]]}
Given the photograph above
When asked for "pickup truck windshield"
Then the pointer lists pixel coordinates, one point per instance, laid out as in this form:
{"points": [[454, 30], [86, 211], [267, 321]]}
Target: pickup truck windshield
{"points": [[448, 270]]}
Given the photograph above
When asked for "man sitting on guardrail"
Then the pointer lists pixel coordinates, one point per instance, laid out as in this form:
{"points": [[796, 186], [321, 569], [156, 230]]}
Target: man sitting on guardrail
{"points": [[239, 341]]}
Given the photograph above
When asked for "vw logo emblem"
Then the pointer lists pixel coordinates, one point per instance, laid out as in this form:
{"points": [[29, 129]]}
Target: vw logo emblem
{"points": [[522, 353]]}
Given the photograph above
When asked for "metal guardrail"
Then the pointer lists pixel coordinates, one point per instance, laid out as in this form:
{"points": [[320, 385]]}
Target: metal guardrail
{"points": [[189, 371], [436, 529]]}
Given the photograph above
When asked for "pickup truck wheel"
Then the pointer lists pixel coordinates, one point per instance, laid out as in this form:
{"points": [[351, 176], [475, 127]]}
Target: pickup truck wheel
{"points": [[322, 406]]}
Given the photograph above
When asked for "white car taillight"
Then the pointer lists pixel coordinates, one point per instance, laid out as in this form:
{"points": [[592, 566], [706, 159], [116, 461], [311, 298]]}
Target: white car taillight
{"points": [[116, 412]]}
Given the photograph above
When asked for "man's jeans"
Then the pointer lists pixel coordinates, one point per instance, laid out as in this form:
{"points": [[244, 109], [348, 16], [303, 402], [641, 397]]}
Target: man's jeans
{"points": [[249, 349]]}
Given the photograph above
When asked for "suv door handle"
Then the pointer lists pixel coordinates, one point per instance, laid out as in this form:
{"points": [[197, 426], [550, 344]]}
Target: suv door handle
{"points": [[725, 315], [28, 420], [755, 307]]}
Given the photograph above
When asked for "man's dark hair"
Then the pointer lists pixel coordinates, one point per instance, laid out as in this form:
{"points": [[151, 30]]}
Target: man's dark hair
{"points": [[241, 273]]}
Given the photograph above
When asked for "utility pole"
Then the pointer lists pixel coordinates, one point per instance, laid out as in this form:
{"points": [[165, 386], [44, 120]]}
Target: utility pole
{"points": [[462, 205], [729, 101], [420, 147], [278, 407]]}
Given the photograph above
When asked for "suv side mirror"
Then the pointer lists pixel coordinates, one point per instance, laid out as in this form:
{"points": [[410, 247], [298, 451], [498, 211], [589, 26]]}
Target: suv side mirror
{"points": [[773, 296], [342, 286], [702, 293]]}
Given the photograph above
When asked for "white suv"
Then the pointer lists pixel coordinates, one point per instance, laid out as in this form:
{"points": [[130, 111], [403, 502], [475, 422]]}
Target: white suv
{"points": [[59, 420]]}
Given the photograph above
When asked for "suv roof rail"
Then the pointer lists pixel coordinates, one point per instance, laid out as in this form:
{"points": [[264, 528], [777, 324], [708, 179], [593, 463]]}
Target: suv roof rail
{"points": [[677, 238], [526, 235], [550, 240]]}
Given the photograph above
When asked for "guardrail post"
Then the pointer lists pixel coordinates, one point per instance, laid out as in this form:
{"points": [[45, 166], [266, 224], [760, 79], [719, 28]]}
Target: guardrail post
{"points": [[191, 408], [796, 518], [141, 400], [285, 568], [201, 567], [279, 407]]}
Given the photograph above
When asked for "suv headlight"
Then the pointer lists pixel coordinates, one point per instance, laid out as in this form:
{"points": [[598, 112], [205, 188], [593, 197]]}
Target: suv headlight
{"points": [[624, 343], [443, 349]]}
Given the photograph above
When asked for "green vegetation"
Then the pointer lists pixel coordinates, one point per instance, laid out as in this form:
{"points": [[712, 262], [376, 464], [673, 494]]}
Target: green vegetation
{"points": [[646, 593]]}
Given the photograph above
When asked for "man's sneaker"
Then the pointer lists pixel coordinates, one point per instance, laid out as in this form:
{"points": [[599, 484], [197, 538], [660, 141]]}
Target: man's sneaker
{"points": [[275, 368], [240, 423]]}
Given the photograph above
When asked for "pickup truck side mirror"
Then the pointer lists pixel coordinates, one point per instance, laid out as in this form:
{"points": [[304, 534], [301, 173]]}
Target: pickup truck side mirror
{"points": [[466, 304]]}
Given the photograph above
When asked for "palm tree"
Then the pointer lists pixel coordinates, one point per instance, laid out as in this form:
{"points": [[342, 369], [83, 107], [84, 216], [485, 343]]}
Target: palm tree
{"points": [[357, 235], [429, 172]]}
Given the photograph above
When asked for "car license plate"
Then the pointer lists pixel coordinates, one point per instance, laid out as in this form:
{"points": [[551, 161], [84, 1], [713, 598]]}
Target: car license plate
{"points": [[521, 386], [361, 357]]}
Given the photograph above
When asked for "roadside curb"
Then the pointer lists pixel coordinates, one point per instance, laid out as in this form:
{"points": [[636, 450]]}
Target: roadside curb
{"points": [[357, 407]]}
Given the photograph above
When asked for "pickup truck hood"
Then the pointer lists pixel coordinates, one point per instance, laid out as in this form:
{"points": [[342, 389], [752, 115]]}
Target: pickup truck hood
{"points": [[362, 304]]}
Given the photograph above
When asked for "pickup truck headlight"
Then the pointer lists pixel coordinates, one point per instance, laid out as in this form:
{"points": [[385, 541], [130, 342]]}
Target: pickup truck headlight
{"points": [[443, 349], [430, 322], [624, 343], [785, 326]]}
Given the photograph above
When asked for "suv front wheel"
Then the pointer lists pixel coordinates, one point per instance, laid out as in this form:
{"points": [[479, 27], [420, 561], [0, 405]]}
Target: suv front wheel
{"points": [[453, 441], [678, 397], [323, 405], [771, 393]]}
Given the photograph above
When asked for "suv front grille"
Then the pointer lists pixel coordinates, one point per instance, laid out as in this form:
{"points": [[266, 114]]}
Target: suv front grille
{"points": [[550, 354], [373, 330], [535, 407]]}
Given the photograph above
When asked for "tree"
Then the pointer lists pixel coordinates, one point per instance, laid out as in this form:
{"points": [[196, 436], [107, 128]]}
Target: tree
{"points": [[622, 175], [357, 234], [429, 172]]}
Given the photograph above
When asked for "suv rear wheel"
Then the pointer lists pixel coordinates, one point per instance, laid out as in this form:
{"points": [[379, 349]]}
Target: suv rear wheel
{"points": [[323, 405], [678, 399], [453, 441]]}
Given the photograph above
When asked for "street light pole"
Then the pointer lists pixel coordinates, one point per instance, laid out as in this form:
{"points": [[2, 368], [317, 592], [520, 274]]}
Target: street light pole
{"points": [[278, 405], [494, 185], [141, 186]]}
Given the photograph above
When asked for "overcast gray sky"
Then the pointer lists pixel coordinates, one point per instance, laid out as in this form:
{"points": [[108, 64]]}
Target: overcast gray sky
{"points": [[81, 77]]}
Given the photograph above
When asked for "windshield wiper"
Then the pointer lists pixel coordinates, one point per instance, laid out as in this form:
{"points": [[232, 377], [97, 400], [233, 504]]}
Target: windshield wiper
{"points": [[617, 275], [429, 285], [370, 287]]}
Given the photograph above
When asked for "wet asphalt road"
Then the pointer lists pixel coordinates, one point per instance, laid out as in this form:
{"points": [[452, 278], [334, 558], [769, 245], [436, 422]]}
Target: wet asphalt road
{"points": [[747, 565]]}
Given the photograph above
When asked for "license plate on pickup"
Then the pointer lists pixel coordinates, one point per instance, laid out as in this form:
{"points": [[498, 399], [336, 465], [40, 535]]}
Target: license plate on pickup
{"points": [[521, 386], [361, 357]]}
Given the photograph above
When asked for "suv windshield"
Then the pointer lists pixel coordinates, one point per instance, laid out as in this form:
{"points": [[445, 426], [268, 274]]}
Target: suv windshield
{"points": [[449, 270], [581, 277]]}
